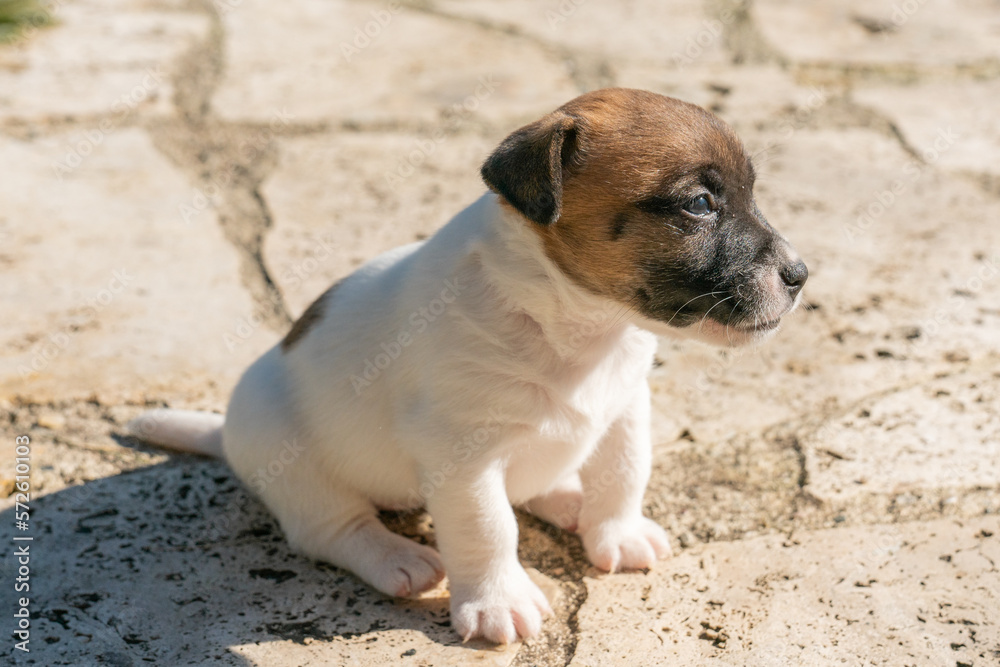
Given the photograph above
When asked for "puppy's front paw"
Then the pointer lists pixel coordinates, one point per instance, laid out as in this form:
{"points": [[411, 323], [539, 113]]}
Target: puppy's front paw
{"points": [[627, 544], [504, 610]]}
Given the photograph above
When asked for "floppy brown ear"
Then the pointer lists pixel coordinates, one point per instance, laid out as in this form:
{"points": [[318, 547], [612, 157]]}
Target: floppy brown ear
{"points": [[526, 168]]}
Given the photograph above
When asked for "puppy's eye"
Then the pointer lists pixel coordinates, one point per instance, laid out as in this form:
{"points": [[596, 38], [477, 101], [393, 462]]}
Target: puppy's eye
{"points": [[701, 205]]}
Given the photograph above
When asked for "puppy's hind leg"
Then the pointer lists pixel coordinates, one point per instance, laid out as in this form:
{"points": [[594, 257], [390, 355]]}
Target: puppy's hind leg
{"points": [[340, 526], [321, 516], [560, 505]]}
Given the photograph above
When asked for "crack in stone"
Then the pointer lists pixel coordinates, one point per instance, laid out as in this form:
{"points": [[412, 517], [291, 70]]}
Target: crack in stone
{"points": [[559, 555], [741, 37], [26, 129], [554, 649], [852, 113], [985, 69], [839, 112], [228, 161], [747, 45], [588, 72], [573, 621], [988, 183], [800, 456], [468, 127]]}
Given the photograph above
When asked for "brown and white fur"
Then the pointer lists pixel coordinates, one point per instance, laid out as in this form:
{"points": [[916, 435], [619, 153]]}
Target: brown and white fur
{"points": [[503, 361]]}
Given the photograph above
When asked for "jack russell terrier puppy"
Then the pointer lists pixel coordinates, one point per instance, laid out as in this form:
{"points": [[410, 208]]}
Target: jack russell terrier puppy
{"points": [[503, 361]]}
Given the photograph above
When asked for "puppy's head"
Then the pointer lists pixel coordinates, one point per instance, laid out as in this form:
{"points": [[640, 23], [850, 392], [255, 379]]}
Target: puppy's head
{"points": [[648, 200]]}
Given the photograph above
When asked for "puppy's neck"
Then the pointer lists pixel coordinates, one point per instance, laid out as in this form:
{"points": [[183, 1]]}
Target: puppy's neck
{"points": [[571, 318]]}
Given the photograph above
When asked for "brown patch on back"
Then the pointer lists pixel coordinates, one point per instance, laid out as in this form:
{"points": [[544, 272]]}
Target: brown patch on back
{"points": [[312, 315]]}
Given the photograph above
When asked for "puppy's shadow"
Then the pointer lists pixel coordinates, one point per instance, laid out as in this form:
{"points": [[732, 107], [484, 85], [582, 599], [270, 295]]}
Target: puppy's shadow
{"points": [[178, 564]]}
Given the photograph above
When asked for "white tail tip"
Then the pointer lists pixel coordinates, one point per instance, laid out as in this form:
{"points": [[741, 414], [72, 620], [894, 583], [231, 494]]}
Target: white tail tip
{"points": [[183, 430]]}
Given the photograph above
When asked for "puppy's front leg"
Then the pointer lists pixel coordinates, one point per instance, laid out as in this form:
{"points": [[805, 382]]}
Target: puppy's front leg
{"points": [[614, 531], [491, 594]]}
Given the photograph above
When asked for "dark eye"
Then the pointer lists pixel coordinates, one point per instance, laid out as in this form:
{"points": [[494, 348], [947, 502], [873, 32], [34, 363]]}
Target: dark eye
{"points": [[701, 205]]}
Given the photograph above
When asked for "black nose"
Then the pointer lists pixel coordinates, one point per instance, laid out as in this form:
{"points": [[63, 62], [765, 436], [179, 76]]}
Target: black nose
{"points": [[795, 276]]}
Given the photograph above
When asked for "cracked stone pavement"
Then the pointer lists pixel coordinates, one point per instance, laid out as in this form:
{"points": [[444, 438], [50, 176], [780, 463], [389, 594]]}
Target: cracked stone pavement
{"points": [[182, 177]]}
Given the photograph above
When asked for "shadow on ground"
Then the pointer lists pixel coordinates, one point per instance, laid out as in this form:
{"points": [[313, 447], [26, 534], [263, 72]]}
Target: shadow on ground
{"points": [[169, 563]]}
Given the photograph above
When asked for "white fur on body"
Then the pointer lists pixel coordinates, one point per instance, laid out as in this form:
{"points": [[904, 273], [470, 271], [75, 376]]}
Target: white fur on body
{"points": [[509, 385]]}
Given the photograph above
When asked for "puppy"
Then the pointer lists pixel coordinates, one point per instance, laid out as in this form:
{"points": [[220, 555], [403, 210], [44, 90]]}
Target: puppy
{"points": [[503, 361]]}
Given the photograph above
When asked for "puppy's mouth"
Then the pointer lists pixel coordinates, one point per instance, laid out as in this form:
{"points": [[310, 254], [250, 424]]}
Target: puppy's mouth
{"points": [[723, 313], [726, 311], [758, 326]]}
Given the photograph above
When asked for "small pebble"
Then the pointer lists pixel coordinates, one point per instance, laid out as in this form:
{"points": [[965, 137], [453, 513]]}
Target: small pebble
{"points": [[52, 421]]}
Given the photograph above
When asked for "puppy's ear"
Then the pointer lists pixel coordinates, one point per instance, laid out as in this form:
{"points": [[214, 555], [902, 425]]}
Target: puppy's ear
{"points": [[527, 167]]}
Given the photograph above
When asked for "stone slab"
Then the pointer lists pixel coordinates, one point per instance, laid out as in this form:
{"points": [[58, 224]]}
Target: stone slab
{"points": [[339, 200], [918, 593], [951, 122], [106, 58], [943, 433], [106, 291], [672, 35], [378, 63], [908, 32], [746, 98]]}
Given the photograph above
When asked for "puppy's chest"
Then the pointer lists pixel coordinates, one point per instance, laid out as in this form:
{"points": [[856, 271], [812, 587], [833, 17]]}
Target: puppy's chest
{"points": [[578, 404]]}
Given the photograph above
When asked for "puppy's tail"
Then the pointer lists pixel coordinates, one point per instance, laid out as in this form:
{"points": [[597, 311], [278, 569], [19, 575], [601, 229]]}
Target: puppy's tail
{"points": [[183, 430]]}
